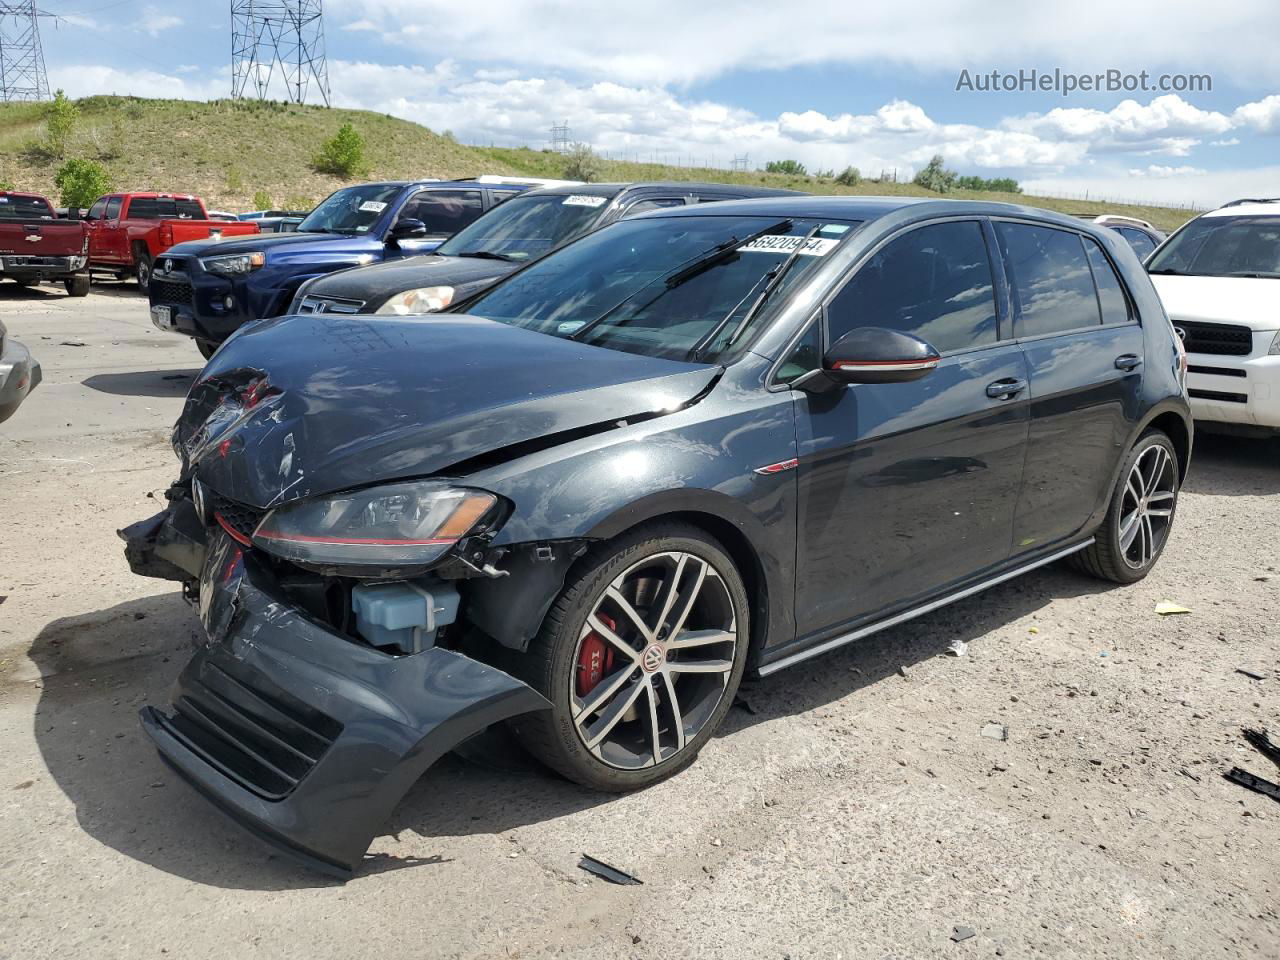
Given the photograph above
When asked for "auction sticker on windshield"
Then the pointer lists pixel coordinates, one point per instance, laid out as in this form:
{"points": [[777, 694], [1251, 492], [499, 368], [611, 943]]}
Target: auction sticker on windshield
{"points": [[813, 247], [373, 206], [583, 200]]}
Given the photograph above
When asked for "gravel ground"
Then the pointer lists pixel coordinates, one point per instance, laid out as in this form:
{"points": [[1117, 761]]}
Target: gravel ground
{"points": [[851, 807]]}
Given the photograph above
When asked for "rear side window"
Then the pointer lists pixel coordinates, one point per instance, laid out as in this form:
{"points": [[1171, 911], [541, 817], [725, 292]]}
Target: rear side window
{"points": [[933, 282], [653, 203], [164, 208], [17, 207], [498, 196], [1141, 243], [113, 208], [1051, 280], [1111, 298], [444, 211]]}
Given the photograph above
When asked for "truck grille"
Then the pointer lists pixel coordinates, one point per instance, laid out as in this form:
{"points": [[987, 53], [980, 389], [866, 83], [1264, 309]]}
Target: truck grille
{"points": [[170, 291], [240, 517], [254, 732], [1223, 339]]}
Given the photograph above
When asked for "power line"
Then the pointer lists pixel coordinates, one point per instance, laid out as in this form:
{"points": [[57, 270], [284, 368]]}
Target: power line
{"points": [[22, 73]]}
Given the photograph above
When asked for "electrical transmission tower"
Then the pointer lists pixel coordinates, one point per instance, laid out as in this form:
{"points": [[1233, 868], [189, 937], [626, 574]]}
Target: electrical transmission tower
{"points": [[282, 39], [741, 163], [560, 137], [22, 75]]}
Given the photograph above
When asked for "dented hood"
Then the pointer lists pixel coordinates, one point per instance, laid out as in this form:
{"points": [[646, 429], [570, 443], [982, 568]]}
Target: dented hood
{"points": [[307, 405]]}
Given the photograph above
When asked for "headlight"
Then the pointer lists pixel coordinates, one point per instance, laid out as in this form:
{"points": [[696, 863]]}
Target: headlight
{"points": [[422, 300], [392, 527], [234, 263]]}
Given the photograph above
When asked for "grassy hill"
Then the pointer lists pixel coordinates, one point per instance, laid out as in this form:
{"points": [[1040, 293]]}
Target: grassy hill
{"points": [[226, 151]]}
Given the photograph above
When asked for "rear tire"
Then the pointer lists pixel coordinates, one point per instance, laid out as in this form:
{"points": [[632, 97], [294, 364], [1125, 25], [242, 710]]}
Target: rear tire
{"points": [[207, 349], [77, 286], [142, 271], [1140, 517], [657, 695]]}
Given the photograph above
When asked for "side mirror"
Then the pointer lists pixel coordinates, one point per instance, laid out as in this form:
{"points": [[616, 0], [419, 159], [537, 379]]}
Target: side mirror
{"points": [[871, 355], [408, 229]]}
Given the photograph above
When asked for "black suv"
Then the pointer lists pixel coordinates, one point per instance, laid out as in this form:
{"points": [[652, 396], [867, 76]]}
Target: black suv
{"points": [[499, 243], [703, 441]]}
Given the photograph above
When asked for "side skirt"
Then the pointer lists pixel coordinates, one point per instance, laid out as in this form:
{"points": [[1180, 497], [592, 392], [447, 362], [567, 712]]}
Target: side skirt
{"points": [[929, 607]]}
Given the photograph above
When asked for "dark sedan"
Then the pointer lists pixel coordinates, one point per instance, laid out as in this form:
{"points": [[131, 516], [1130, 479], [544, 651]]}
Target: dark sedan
{"points": [[499, 243], [705, 441]]}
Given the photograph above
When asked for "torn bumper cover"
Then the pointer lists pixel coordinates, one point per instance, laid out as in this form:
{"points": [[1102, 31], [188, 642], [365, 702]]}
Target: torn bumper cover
{"points": [[301, 735]]}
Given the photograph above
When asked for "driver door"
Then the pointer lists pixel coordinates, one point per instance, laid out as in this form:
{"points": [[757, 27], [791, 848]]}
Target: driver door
{"points": [[444, 212], [907, 488]]}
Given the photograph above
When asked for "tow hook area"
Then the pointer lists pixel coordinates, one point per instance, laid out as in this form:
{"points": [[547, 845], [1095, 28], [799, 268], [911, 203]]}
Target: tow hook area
{"points": [[169, 545]]}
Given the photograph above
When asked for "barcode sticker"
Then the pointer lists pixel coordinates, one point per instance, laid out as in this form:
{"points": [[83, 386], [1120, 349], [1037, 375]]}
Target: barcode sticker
{"points": [[813, 247], [583, 200]]}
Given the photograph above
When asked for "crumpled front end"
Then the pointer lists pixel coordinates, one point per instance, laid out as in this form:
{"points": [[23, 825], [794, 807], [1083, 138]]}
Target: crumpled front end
{"points": [[301, 734]]}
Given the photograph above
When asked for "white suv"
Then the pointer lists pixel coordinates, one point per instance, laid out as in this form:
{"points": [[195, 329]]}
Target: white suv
{"points": [[1219, 278]]}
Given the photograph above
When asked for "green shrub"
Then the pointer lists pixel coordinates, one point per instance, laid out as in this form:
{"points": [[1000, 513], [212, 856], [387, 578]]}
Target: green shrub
{"points": [[80, 182], [849, 177], [342, 154], [261, 200], [581, 163], [935, 176], [792, 168], [7, 185], [235, 182], [60, 123]]}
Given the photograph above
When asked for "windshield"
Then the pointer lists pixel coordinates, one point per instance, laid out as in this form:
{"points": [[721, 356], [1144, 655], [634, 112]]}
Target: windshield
{"points": [[527, 227], [13, 206], [1222, 247], [634, 287], [352, 209]]}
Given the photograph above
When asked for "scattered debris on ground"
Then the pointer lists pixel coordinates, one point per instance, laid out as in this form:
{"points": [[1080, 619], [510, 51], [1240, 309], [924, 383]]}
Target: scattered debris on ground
{"points": [[957, 648], [1251, 674], [995, 731], [960, 934], [605, 872], [1167, 608]]}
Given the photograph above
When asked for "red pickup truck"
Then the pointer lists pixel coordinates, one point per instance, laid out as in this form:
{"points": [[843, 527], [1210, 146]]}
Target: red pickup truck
{"points": [[36, 246], [127, 231]]}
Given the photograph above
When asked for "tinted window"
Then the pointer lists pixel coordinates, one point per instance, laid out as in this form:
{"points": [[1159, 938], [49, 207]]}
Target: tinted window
{"points": [[1223, 247], [351, 209], [655, 203], [499, 196], [1115, 305], [95, 212], [1052, 283], [15, 206], [164, 208], [113, 208], [806, 355], [933, 282], [1141, 243], [444, 211]]}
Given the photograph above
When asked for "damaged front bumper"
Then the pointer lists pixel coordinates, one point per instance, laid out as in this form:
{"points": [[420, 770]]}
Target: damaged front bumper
{"points": [[302, 735]]}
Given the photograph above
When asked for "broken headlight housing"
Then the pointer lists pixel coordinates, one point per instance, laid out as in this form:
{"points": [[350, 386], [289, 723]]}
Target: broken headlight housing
{"points": [[233, 264], [419, 301], [395, 527]]}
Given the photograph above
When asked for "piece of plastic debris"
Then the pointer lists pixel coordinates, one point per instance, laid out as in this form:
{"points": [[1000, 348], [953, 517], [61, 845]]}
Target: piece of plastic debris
{"points": [[957, 648], [996, 731], [605, 872], [1247, 780], [1167, 608], [1248, 673], [1033, 630], [960, 934], [902, 672], [1259, 740]]}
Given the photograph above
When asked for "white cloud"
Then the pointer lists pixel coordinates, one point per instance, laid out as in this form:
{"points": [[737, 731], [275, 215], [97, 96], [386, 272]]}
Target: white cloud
{"points": [[75, 20], [82, 80], [1168, 124], [1165, 172], [1229, 142], [155, 21], [1204, 189], [1263, 115]]}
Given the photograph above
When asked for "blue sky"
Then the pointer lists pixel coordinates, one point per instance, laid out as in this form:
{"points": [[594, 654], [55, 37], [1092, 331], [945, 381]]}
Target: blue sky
{"points": [[823, 82]]}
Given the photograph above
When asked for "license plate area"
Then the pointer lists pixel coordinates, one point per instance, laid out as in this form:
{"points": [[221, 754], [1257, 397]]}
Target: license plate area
{"points": [[162, 318]]}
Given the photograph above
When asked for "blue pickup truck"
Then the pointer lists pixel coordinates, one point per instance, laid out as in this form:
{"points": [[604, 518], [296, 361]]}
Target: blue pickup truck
{"points": [[207, 289]]}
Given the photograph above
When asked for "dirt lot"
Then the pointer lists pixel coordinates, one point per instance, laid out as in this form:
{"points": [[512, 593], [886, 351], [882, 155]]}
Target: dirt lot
{"points": [[854, 810]]}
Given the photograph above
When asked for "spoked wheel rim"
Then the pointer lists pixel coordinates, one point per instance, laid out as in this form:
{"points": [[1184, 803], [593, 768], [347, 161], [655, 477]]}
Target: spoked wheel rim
{"points": [[653, 660], [144, 274], [1146, 513]]}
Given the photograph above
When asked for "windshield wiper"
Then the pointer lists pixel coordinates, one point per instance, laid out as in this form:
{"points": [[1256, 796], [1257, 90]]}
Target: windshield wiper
{"points": [[774, 277], [486, 255], [686, 271]]}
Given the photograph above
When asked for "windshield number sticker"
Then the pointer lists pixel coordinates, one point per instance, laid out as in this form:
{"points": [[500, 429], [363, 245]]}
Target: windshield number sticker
{"points": [[372, 206], [815, 247], [583, 200]]}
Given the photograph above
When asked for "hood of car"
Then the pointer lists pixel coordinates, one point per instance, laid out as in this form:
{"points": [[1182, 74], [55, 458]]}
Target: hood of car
{"points": [[1248, 301], [374, 284], [306, 405], [266, 242]]}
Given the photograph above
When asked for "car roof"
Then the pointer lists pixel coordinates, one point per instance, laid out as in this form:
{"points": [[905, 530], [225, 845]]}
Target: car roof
{"points": [[866, 208], [149, 195], [675, 186], [1247, 208]]}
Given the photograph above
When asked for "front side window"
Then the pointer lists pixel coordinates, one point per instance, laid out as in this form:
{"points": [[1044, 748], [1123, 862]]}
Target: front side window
{"points": [[933, 282], [1222, 247], [1051, 280], [351, 209], [683, 288], [113, 208], [527, 227], [444, 211]]}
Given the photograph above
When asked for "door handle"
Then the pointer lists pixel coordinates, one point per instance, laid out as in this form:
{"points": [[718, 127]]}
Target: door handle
{"points": [[1128, 361], [1006, 389]]}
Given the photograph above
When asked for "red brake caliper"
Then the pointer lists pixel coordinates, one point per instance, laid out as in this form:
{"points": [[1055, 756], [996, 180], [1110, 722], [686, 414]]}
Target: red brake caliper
{"points": [[595, 659]]}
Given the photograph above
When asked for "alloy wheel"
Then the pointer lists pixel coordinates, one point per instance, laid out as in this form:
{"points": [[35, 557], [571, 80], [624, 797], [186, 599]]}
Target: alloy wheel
{"points": [[1146, 512], [653, 660]]}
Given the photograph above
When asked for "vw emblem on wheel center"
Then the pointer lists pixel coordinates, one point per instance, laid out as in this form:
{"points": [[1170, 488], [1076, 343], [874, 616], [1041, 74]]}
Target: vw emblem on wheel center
{"points": [[653, 657]]}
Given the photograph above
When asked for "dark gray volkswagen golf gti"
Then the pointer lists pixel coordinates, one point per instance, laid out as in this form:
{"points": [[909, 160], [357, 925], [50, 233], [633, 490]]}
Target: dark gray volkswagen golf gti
{"points": [[692, 444]]}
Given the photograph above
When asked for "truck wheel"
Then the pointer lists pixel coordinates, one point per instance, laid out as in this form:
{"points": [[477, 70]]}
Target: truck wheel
{"points": [[640, 656], [143, 271], [77, 286], [1137, 525], [207, 349]]}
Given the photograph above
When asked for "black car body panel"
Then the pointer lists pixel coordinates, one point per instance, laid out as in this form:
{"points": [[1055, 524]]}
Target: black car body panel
{"points": [[365, 289], [845, 507]]}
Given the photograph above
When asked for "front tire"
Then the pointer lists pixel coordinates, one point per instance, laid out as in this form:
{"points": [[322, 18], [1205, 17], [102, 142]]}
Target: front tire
{"points": [[1140, 517], [142, 271], [640, 657]]}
